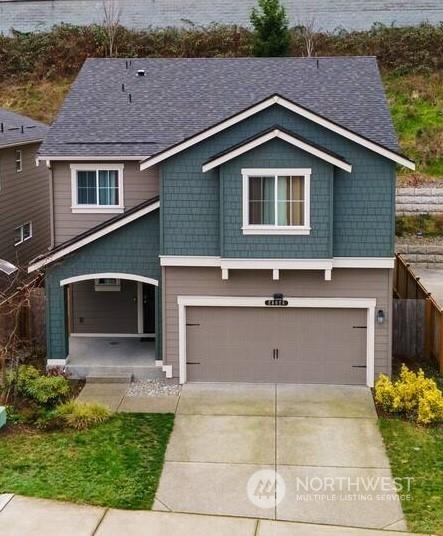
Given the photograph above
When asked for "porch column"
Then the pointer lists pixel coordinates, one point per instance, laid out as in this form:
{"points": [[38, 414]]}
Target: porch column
{"points": [[56, 318]]}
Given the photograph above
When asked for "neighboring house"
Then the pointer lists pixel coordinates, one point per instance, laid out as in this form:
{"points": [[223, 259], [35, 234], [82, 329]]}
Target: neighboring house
{"points": [[240, 211], [24, 193]]}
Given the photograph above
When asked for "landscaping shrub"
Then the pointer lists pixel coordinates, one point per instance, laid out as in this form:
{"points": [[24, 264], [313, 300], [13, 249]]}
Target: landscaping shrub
{"points": [[412, 395], [426, 224], [81, 415], [59, 53], [43, 389]]}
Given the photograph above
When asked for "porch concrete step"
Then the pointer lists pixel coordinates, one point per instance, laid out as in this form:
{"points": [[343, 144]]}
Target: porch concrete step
{"points": [[114, 374], [126, 378]]}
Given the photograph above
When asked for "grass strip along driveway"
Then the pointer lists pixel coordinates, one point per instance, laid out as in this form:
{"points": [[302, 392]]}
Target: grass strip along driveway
{"points": [[115, 464], [417, 452]]}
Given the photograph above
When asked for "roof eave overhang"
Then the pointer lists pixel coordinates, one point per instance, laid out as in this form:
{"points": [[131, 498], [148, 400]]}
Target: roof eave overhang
{"points": [[39, 263], [285, 136], [20, 143], [94, 158], [289, 105]]}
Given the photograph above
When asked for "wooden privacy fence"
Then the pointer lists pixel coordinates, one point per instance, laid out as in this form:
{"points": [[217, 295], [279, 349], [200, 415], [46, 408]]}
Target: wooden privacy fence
{"points": [[417, 317], [31, 321]]}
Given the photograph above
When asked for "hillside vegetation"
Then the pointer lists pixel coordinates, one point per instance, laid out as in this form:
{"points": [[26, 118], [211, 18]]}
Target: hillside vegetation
{"points": [[36, 70]]}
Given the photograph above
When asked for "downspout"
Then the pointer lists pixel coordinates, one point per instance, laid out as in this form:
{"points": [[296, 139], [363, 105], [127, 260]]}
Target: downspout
{"points": [[51, 205]]}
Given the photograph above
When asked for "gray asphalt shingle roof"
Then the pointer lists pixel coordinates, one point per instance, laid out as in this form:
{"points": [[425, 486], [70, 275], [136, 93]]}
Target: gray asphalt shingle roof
{"points": [[178, 98], [16, 129]]}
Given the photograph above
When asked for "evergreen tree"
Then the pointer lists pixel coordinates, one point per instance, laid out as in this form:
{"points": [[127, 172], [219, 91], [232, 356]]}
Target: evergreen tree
{"points": [[271, 29]]}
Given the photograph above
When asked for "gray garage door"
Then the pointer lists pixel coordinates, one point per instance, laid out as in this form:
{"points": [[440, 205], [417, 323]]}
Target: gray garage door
{"points": [[242, 344]]}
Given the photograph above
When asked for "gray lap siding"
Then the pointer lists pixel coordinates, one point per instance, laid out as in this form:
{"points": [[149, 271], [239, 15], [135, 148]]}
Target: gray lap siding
{"points": [[104, 311], [345, 283]]}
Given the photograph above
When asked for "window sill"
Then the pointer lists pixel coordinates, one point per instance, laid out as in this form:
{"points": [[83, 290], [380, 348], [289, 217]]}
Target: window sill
{"points": [[259, 230], [97, 210], [22, 241]]}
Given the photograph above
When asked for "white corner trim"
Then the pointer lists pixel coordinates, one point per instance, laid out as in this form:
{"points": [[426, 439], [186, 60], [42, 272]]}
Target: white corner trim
{"points": [[167, 369], [109, 275], [277, 133], [323, 303], [36, 265], [276, 99], [277, 264]]}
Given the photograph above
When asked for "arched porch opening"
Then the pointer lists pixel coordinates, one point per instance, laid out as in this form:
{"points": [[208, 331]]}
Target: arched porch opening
{"points": [[112, 321]]}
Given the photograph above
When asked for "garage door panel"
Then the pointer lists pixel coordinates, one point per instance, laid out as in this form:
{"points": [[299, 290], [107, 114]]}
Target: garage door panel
{"points": [[314, 345]]}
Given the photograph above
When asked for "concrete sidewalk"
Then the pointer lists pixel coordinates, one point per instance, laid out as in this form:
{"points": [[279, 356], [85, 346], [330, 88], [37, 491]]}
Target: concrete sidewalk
{"points": [[25, 516]]}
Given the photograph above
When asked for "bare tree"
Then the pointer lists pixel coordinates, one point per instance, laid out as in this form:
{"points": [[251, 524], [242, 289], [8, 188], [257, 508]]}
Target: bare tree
{"points": [[111, 23], [309, 31], [15, 303]]}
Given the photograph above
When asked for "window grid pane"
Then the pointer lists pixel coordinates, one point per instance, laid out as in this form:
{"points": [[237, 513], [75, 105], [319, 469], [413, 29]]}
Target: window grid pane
{"points": [[86, 188], [108, 187], [290, 205], [261, 201], [26, 231]]}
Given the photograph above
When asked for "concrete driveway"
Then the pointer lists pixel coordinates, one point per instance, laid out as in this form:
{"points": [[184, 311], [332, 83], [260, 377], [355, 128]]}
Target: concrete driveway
{"points": [[320, 444]]}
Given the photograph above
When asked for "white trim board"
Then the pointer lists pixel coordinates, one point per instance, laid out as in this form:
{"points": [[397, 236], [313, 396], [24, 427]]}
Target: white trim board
{"points": [[116, 335], [36, 265], [277, 264], [281, 101], [322, 303], [277, 133], [109, 275]]}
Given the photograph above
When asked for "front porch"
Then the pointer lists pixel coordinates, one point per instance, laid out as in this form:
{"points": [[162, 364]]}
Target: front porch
{"points": [[112, 357]]}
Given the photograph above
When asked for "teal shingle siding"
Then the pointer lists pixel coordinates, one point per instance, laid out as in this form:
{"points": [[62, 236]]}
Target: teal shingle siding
{"points": [[363, 201], [132, 249], [276, 154]]}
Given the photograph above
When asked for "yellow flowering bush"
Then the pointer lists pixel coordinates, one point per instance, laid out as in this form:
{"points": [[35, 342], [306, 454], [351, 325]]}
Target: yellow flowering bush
{"points": [[412, 395]]}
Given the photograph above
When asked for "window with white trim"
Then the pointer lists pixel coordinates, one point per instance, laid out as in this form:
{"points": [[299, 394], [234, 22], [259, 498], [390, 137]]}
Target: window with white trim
{"points": [[276, 201], [107, 284], [22, 233], [97, 188], [18, 161]]}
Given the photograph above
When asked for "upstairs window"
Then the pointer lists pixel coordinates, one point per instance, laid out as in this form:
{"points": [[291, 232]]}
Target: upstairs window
{"points": [[23, 233], [276, 201], [18, 161], [97, 188]]}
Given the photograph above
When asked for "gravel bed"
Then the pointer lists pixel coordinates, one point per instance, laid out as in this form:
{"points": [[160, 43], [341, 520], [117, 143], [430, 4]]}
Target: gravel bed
{"points": [[156, 387]]}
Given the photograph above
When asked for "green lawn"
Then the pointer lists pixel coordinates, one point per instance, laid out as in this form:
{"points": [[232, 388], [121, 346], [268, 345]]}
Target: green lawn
{"points": [[115, 464], [416, 103], [417, 452]]}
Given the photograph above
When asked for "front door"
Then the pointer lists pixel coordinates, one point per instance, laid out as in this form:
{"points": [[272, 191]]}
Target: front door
{"points": [[148, 308]]}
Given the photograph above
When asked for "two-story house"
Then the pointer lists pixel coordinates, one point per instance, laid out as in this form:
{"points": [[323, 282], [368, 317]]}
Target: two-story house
{"points": [[239, 211], [24, 193]]}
